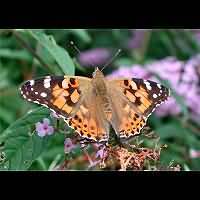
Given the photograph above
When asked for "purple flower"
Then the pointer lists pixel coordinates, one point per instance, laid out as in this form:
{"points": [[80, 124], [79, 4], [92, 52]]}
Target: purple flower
{"points": [[136, 39], [140, 72], [130, 72], [94, 57], [101, 153], [168, 69], [170, 107], [44, 128], [68, 145], [121, 72]]}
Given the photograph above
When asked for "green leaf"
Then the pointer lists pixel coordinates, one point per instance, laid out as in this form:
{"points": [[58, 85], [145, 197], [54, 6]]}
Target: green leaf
{"points": [[186, 167], [58, 53], [170, 130], [82, 34], [15, 54], [168, 43], [5, 115], [21, 145], [175, 129]]}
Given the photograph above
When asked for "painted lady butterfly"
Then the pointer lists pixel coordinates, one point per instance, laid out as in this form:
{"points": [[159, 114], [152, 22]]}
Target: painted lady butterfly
{"points": [[90, 105]]}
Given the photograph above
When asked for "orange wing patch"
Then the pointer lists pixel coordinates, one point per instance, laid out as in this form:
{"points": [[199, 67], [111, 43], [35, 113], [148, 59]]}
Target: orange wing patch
{"points": [[75, 96], [131, 124], [67, 108], [66, 95], [59, 101], [145, 102], [87, 126], [130, 96], [137, 95]]}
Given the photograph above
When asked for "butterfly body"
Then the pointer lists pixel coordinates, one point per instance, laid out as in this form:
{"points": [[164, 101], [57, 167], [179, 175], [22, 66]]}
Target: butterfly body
{"points": [[92, 105], [100, 88]]}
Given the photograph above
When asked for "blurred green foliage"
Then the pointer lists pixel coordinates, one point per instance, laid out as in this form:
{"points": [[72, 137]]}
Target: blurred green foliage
{"points": [[26, 54]]}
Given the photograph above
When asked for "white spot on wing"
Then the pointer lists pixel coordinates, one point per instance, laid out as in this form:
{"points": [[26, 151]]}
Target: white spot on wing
{"points": [[47, 82], [32, 82], [36, 92], [155, 96], [43, 94], [159, 86], [148, 86], [32, 89]]}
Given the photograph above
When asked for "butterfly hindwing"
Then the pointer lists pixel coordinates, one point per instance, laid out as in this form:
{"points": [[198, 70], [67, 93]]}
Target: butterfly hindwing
{"points": [[89, 121], [61, 94], [125, 120]]}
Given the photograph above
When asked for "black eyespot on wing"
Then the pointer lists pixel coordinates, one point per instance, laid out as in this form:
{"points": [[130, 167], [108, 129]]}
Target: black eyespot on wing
{"points": [[72, 81], [126, 82]]}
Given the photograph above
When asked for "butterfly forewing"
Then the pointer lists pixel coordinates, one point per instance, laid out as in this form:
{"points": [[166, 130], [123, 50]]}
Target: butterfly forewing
{"points": [[62, 94]]}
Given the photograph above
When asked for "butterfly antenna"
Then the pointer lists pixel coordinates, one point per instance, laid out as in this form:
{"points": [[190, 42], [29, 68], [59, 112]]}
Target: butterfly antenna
{"points": [[75, 47], [111, 60], [79, 52]]}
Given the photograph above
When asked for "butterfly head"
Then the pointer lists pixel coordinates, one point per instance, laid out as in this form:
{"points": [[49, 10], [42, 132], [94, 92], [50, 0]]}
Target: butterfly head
{"points": [[97, 73]]}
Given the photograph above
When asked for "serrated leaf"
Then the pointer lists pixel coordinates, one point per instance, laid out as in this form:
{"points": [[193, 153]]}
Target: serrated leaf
{"points": [[58, 53], [21, 145]]}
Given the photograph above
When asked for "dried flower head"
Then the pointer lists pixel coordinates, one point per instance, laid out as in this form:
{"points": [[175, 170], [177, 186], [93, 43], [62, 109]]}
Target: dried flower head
{"points": [[134, 160]]}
